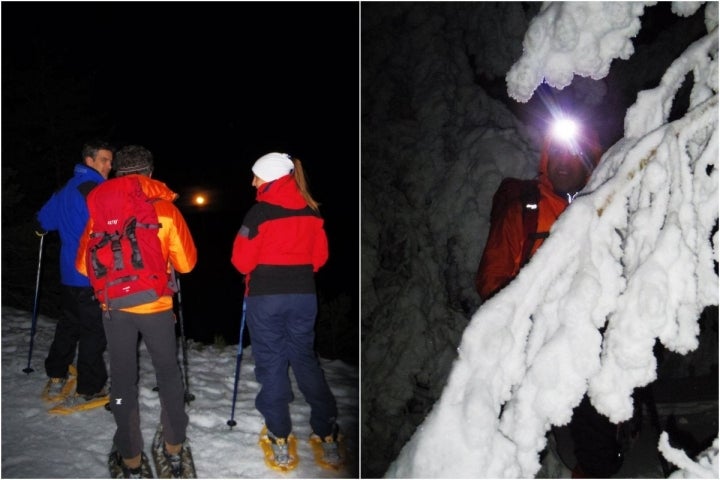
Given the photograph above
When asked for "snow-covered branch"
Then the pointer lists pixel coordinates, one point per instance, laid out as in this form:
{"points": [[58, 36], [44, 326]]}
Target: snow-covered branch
{"points": [[633, 255]]}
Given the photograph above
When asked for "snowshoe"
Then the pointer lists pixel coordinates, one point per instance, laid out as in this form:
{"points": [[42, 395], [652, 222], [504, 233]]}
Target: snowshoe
{"points": [[57, 389], [80, 403], [119, 470], [172, 466], [329, 452], [280, 453]]}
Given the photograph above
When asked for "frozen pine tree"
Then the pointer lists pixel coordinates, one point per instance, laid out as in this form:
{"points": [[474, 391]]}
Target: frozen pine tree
{"points": [[633, 254]]}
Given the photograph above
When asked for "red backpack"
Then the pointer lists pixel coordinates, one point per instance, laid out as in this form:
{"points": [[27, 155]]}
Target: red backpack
{"points": [[124, 257]]}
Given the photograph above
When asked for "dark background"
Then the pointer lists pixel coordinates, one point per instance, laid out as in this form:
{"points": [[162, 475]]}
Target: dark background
{"points": [[207, 87]]}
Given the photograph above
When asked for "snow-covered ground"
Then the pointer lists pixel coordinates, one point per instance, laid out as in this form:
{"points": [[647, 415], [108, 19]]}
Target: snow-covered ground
{"points": [[36, 444]]}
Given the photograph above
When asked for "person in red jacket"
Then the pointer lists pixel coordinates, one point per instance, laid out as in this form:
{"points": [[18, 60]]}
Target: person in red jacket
{"points": [[569, 155], [280, 246]]}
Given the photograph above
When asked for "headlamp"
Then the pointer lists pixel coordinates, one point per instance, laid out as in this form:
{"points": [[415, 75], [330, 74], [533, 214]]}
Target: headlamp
{"points": [[565, 129], [565, 132]]}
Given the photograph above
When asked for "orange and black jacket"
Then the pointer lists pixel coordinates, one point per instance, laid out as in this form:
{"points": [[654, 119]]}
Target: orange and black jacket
{"points": [[177, 244], [281, 242], [504, 253]]}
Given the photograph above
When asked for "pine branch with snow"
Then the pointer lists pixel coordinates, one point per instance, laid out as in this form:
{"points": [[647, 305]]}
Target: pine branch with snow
{"points": [[633, 254]]}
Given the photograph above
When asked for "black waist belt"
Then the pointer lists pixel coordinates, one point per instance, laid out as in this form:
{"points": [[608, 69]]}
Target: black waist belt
{"points": [[279, 279]]}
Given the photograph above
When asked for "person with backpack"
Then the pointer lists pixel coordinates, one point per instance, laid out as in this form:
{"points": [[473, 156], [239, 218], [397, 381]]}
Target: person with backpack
{"points": [[522, 214], [279, 247], [80, 324], [134, 236], [523, 210]]}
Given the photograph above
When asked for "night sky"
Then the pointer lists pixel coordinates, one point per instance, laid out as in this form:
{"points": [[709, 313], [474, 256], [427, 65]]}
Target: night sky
{"points": [[208, 87]]}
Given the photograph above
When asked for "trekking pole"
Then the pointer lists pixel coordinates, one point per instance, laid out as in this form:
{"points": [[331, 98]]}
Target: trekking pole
{"points": [[232, 421], [35, 305], [189, 397]]}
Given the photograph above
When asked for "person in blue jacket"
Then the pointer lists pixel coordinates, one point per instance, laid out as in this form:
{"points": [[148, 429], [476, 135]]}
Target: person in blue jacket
{"points": [[80, 324]]}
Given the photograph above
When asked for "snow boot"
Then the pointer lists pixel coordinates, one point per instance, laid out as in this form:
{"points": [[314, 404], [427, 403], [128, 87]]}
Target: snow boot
{"points": [[180, 465], [280, 453], [329, 452], [56, 389], [118, 469]]}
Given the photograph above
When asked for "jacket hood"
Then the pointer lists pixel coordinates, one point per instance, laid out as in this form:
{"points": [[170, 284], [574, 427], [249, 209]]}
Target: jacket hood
{"points": [[283, 192], [589, 143], [156, 189]]}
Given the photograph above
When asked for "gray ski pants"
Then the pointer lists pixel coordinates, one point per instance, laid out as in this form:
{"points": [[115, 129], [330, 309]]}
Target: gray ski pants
{"points": [[157, 330]]}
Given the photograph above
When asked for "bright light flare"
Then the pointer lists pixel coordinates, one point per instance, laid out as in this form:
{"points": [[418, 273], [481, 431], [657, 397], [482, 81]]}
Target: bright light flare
{"points": [[565, 129], [199, 200]]}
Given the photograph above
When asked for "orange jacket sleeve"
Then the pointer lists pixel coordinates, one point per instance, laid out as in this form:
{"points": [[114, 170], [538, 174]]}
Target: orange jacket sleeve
{"points": [[501, 258], [80, 264], [177, 242]]}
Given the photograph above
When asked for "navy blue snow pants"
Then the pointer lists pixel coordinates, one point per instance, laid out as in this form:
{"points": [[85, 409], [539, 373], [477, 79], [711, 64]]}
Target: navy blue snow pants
{"points": [[158, 333], [282, 334]]}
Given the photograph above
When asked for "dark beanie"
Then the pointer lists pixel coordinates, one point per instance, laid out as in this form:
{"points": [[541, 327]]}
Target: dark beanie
{"points": [[133, 159]]}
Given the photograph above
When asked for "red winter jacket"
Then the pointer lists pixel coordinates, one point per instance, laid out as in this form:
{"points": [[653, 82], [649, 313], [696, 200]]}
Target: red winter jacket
{"points": [[281, 242]]}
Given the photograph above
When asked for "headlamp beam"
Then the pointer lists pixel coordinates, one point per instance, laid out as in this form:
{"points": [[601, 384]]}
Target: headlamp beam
{"points": [[565, 129]]}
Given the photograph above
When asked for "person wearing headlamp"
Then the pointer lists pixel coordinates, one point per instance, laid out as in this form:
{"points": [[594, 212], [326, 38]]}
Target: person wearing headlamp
{"points": [[569, 158], [523, 212]]}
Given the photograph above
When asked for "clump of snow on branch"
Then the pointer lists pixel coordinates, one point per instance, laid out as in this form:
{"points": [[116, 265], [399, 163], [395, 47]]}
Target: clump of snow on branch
{"points": [[705, 466], [632, 254], [568, 38]]}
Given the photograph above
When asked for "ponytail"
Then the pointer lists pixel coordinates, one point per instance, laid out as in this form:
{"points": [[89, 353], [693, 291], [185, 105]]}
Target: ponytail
{"points": [[303, 186]]}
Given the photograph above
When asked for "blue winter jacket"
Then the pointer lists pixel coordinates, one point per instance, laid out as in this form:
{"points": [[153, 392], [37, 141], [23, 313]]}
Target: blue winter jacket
{"points": [[67, 212]]}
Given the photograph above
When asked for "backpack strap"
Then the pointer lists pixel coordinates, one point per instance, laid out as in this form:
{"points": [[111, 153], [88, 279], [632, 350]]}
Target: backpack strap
{"points": [[129, 230], [114, 239], [135, 255], [530, 198], [117, 250], [99, 269], [86, 187]]}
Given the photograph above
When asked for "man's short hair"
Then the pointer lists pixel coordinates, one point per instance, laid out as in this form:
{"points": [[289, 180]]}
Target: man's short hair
{"points": [[90, 148]]}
